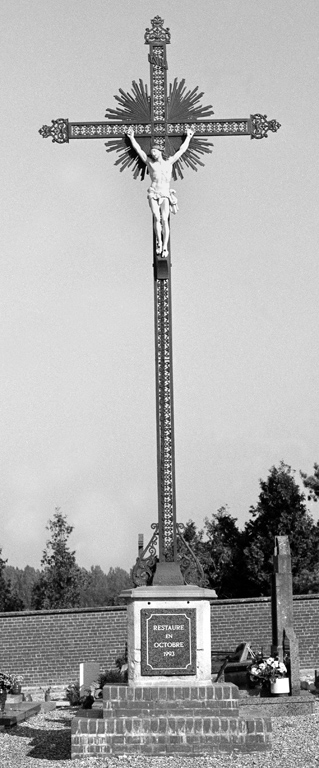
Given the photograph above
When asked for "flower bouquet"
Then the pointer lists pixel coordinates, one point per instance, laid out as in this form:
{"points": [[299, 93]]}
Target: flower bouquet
{"points": [[267, 671], [8, 681]]}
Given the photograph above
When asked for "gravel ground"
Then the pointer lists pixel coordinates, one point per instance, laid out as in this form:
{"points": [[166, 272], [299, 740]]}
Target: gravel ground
{"points": [[44, 742]]}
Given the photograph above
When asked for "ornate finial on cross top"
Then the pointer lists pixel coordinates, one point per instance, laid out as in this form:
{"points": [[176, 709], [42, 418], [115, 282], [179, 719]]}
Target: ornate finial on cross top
{"points": [[160, 122], [157, 34]]}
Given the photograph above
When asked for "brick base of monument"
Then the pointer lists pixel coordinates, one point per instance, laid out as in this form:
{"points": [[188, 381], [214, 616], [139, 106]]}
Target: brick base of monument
{"points": [[169, 719]]}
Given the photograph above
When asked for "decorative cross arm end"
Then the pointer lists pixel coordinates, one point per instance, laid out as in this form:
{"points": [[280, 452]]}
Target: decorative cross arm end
{"points": [[157, 34], [260, 126], [58, 131]]}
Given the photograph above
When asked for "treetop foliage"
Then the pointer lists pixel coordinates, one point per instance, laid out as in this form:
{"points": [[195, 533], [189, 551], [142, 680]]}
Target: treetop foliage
{"points": [[58, 585], [99, 588], [22, 581], [9, 598], [311, 482], [281, 510]]}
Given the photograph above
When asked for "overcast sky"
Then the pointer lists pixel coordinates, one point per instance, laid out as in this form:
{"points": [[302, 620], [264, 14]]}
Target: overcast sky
{"points": [[77, 406]]}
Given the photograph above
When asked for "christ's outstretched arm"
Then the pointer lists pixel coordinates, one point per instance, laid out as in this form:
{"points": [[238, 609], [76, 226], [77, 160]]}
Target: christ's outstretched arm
{"points": [[183, 147], [136, 145]]}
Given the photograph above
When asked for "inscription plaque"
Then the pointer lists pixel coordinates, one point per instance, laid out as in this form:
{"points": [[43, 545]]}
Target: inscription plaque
{"points": [[168, 641]]}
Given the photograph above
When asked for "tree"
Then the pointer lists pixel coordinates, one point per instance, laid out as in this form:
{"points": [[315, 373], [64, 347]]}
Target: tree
{"points": [[59, 582], [99, 588], [224, 547], [93, 587], [22, 581], [9, 599], [117, 579], [311, 482], [218, 548], [281, 510]]}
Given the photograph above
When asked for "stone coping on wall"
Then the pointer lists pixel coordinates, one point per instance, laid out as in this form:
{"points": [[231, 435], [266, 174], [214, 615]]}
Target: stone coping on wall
{"points": [[314, 596], [55, 611], [241, 600], [263, 599]]}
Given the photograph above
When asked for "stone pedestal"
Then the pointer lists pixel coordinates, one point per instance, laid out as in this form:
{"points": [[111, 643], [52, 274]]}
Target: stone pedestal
{"points": [[169, 640]]}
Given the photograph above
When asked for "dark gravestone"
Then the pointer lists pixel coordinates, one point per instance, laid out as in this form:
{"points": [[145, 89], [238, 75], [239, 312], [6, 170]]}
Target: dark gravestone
{"points": [[237, 666], [15, 713], [168, 641], [284, 639]]}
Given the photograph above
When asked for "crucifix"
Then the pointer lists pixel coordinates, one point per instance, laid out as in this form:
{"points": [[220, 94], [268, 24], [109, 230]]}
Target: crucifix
{"points": [[148, 131]]}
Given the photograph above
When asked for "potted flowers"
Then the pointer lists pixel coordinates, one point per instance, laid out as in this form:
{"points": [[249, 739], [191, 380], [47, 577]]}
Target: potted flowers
{"points": [[16, 683], [270, 671], [5, 686], [10, 683]]}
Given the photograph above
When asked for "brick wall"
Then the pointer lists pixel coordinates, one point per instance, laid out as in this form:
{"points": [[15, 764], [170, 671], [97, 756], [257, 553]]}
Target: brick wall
{"points": [[244, 619], [46, 647], [306, 625]]}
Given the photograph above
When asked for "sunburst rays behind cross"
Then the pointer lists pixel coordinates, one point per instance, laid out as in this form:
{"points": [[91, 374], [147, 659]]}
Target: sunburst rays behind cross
{"points": [[182, 107]]}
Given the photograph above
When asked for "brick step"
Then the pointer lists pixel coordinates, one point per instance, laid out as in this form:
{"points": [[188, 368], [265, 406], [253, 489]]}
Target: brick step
{"points": [[218, 699], [180, 709], [171, 693], [165, 735]]}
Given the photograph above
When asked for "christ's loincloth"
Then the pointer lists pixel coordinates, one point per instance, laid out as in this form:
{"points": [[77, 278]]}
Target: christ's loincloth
{"points": [[152, 194]]}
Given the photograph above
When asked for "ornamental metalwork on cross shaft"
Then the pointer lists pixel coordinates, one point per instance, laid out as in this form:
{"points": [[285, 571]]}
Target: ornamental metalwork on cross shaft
{"points": [[147, 131]]}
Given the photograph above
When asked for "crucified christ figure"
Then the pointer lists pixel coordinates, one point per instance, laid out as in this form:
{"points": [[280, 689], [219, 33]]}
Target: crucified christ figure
{"points": [[161, 198]]}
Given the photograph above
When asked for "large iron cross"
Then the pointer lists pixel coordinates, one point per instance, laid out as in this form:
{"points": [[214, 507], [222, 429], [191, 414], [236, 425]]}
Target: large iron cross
{"points": [[160, 118]]}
